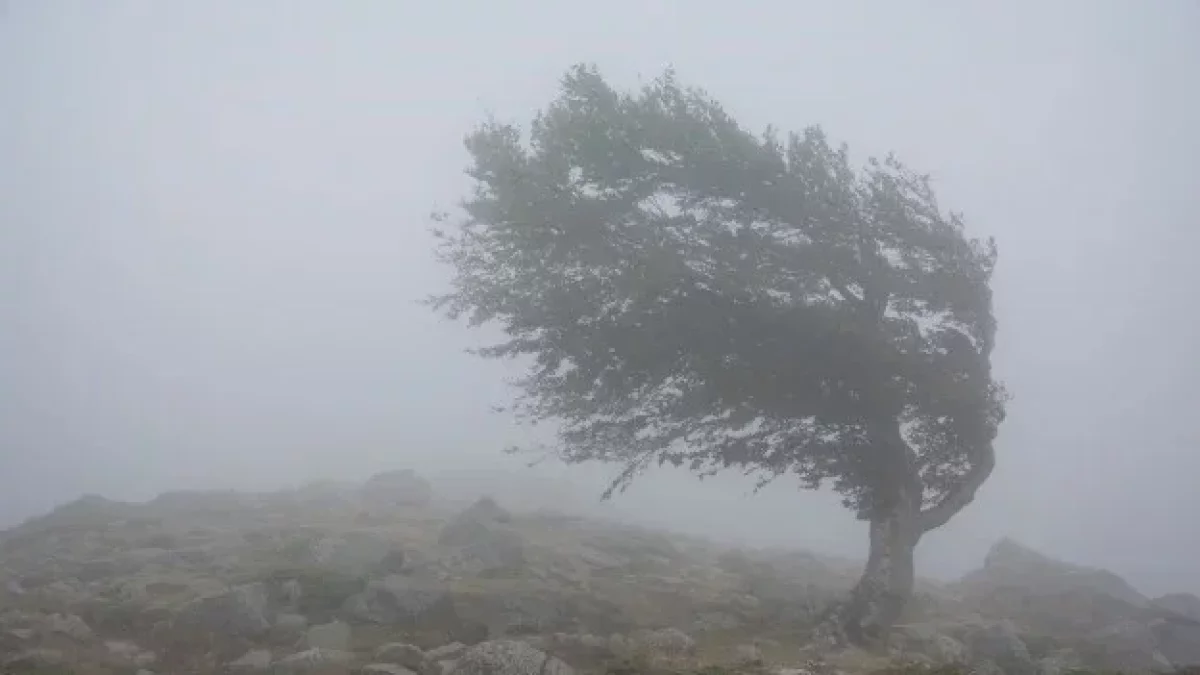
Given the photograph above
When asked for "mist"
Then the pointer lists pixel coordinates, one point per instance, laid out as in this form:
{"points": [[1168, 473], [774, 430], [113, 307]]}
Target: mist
{"points": [[213, 232]]}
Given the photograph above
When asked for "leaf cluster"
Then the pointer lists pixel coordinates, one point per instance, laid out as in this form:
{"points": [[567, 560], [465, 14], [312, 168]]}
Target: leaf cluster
{"points": [[692, 293]]}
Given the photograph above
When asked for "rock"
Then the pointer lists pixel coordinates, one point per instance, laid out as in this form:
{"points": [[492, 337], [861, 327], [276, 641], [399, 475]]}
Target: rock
{"points": [[669, 643], [289, 627], [748, 655], [621, 646], [128, 653], [319, 593], [1178, 639], [401, 653], [35, 661], [1010, 564], [251, 661], [238, 612], [927, 640], [355, 553], [1061, 662], [518, 610], [393, 562], [402, 601], [998, 643], [385, 669], [472, 522], [508, 657], [395, 489], [291, 592], [69, 625], [311, 660], [490, 553], [333, 636], [1127, 646], [578, 647], [446, 652], [1183, 604]]}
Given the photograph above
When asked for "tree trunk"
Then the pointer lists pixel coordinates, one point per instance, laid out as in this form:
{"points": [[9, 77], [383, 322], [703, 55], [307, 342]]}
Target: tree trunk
{"points": [[886, 585]]}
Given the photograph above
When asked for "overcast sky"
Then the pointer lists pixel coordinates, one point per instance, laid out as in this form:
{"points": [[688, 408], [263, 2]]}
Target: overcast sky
{"points": [[213, 236]]}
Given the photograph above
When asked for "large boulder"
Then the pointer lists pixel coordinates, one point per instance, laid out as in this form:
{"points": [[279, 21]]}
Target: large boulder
{"points": [[357, 553], [481, 542], [241, 611], [405, 602], [1010, 564], [472, 522]]}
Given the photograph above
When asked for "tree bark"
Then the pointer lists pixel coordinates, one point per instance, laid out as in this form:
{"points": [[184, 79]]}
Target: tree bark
{"points": [[886, 585]]}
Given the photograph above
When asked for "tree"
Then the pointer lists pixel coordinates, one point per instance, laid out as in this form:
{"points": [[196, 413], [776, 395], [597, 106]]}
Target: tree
{"points": [[691, 294]]}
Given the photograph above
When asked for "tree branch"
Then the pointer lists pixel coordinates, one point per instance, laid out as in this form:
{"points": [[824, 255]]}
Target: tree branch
{"points": [[962, 494]]}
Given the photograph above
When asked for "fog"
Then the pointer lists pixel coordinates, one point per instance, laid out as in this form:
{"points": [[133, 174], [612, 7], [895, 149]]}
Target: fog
{"points": [[213, 232]]}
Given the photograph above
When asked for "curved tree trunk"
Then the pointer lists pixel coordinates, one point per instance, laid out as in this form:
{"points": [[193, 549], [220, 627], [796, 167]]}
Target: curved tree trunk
{"points": [[886, 585], [896, 526]]}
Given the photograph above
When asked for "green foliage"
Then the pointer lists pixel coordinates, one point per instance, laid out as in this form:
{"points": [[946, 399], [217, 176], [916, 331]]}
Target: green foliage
{"points": [[694, 294]]}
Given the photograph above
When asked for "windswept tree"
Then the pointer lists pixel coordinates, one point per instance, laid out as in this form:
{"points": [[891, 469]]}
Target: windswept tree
{"points": [[690, 293]]}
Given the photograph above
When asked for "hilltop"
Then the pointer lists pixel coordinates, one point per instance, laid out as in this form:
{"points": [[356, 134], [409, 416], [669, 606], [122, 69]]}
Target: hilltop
{"points": [[388, 577]]}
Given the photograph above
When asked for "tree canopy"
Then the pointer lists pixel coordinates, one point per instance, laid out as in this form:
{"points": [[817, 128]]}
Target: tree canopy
{"points": [[696, 294]]}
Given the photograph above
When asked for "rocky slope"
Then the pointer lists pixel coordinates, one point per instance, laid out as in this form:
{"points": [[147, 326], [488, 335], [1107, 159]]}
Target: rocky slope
{"points": [[383, 578]]}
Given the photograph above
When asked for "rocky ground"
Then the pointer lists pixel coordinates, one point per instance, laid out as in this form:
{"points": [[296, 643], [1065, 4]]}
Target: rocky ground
{"points": [[383, 578]]}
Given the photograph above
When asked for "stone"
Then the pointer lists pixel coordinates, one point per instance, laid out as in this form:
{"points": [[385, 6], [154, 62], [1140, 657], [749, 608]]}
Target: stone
{"points": [[251, 661], [69, 625], [238, 612], [927, 640], [1000, 643], [288, 626], [401, 653], [1062, 662], [1127, 646], [385, 669], [748, 654], [447, 651], [127, 652], [1009, 563], [508, 657], [312, 660], [667, 642], [403, 601], [34, 661], [393, 562], [334, 636], [473, 522], [1178, 639]]}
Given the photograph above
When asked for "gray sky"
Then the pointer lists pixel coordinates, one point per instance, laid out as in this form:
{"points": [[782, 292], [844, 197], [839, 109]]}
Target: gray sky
{"points": [[213, 214]]}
